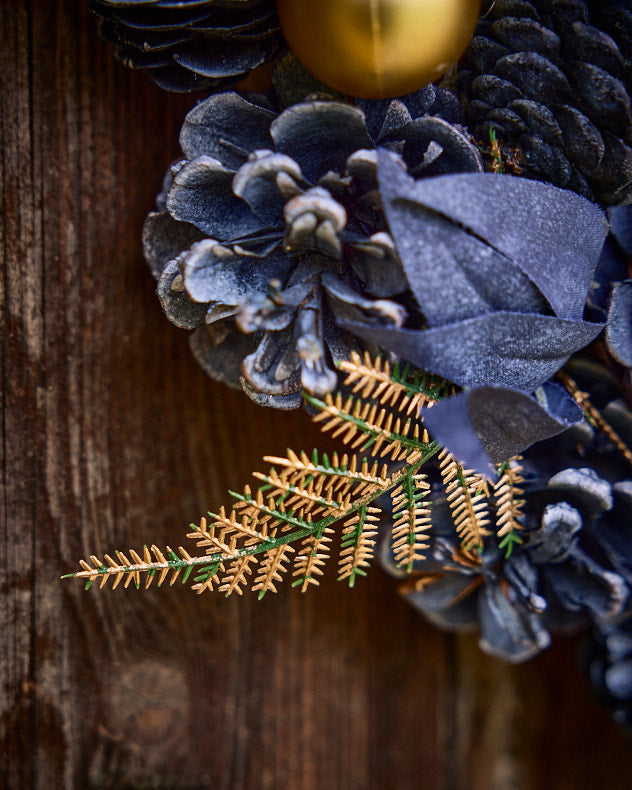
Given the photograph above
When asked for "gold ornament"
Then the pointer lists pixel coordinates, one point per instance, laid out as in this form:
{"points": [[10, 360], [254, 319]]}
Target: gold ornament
{"points": [[378, 48]]}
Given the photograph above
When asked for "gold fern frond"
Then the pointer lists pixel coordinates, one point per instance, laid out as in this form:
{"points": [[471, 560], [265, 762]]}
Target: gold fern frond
{"points": [[209, 541], [208, 578], [411, 519], [358, 543], [468, 496], [159, 567], [213, 538], [373, 379], [286, 521], [594, 416], [312, 556], [339, 476], [509, 497], [271, 569], [262, 510], [237, 573], [266, 509], [365, 425], [312, 498]]}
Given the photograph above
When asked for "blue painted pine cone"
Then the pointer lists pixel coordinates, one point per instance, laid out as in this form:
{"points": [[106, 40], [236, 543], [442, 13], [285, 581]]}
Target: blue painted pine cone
{"points": [[553, 79], [191, 45], [270, 231]]}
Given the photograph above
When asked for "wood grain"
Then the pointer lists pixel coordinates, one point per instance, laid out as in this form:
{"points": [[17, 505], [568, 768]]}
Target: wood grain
{"points": [[112, 436]]}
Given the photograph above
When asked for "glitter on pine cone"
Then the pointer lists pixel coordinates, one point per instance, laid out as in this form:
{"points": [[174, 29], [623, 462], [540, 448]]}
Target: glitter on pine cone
{"points": [[553, 80], [270, 232], [189, 45]]}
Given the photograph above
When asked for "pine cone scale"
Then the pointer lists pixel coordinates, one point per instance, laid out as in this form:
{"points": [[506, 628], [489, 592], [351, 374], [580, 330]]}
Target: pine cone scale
{"points": [[228, 60], [533, 76], [511, 33], [158, 19], [582, 141]]}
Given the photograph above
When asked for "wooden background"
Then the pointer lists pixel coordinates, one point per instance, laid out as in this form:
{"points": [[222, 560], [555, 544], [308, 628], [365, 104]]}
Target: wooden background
{"points": [[112, 436]]}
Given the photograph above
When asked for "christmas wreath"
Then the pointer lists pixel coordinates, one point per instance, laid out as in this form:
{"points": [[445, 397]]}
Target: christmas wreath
{"points": [[441, 278]]}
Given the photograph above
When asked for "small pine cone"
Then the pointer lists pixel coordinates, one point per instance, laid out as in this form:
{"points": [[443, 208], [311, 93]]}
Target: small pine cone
{"points": [[552, 77], [191, 44]]}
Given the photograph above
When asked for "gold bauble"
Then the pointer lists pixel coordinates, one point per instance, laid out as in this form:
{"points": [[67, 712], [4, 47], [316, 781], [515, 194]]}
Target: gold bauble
{"points": [[378, 48]]}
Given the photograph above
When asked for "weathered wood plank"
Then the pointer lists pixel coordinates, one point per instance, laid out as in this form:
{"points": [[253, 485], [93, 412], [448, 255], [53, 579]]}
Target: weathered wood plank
{"points": [[22, 353], [112, 436]]}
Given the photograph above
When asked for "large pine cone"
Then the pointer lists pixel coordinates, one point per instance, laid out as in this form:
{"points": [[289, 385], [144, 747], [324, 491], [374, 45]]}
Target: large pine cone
{"points": [[553, 78], [269, 233], [191, 44]]}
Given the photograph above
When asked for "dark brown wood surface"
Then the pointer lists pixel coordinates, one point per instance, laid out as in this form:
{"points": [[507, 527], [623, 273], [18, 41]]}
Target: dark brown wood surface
{"points": [[113, 437]]}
